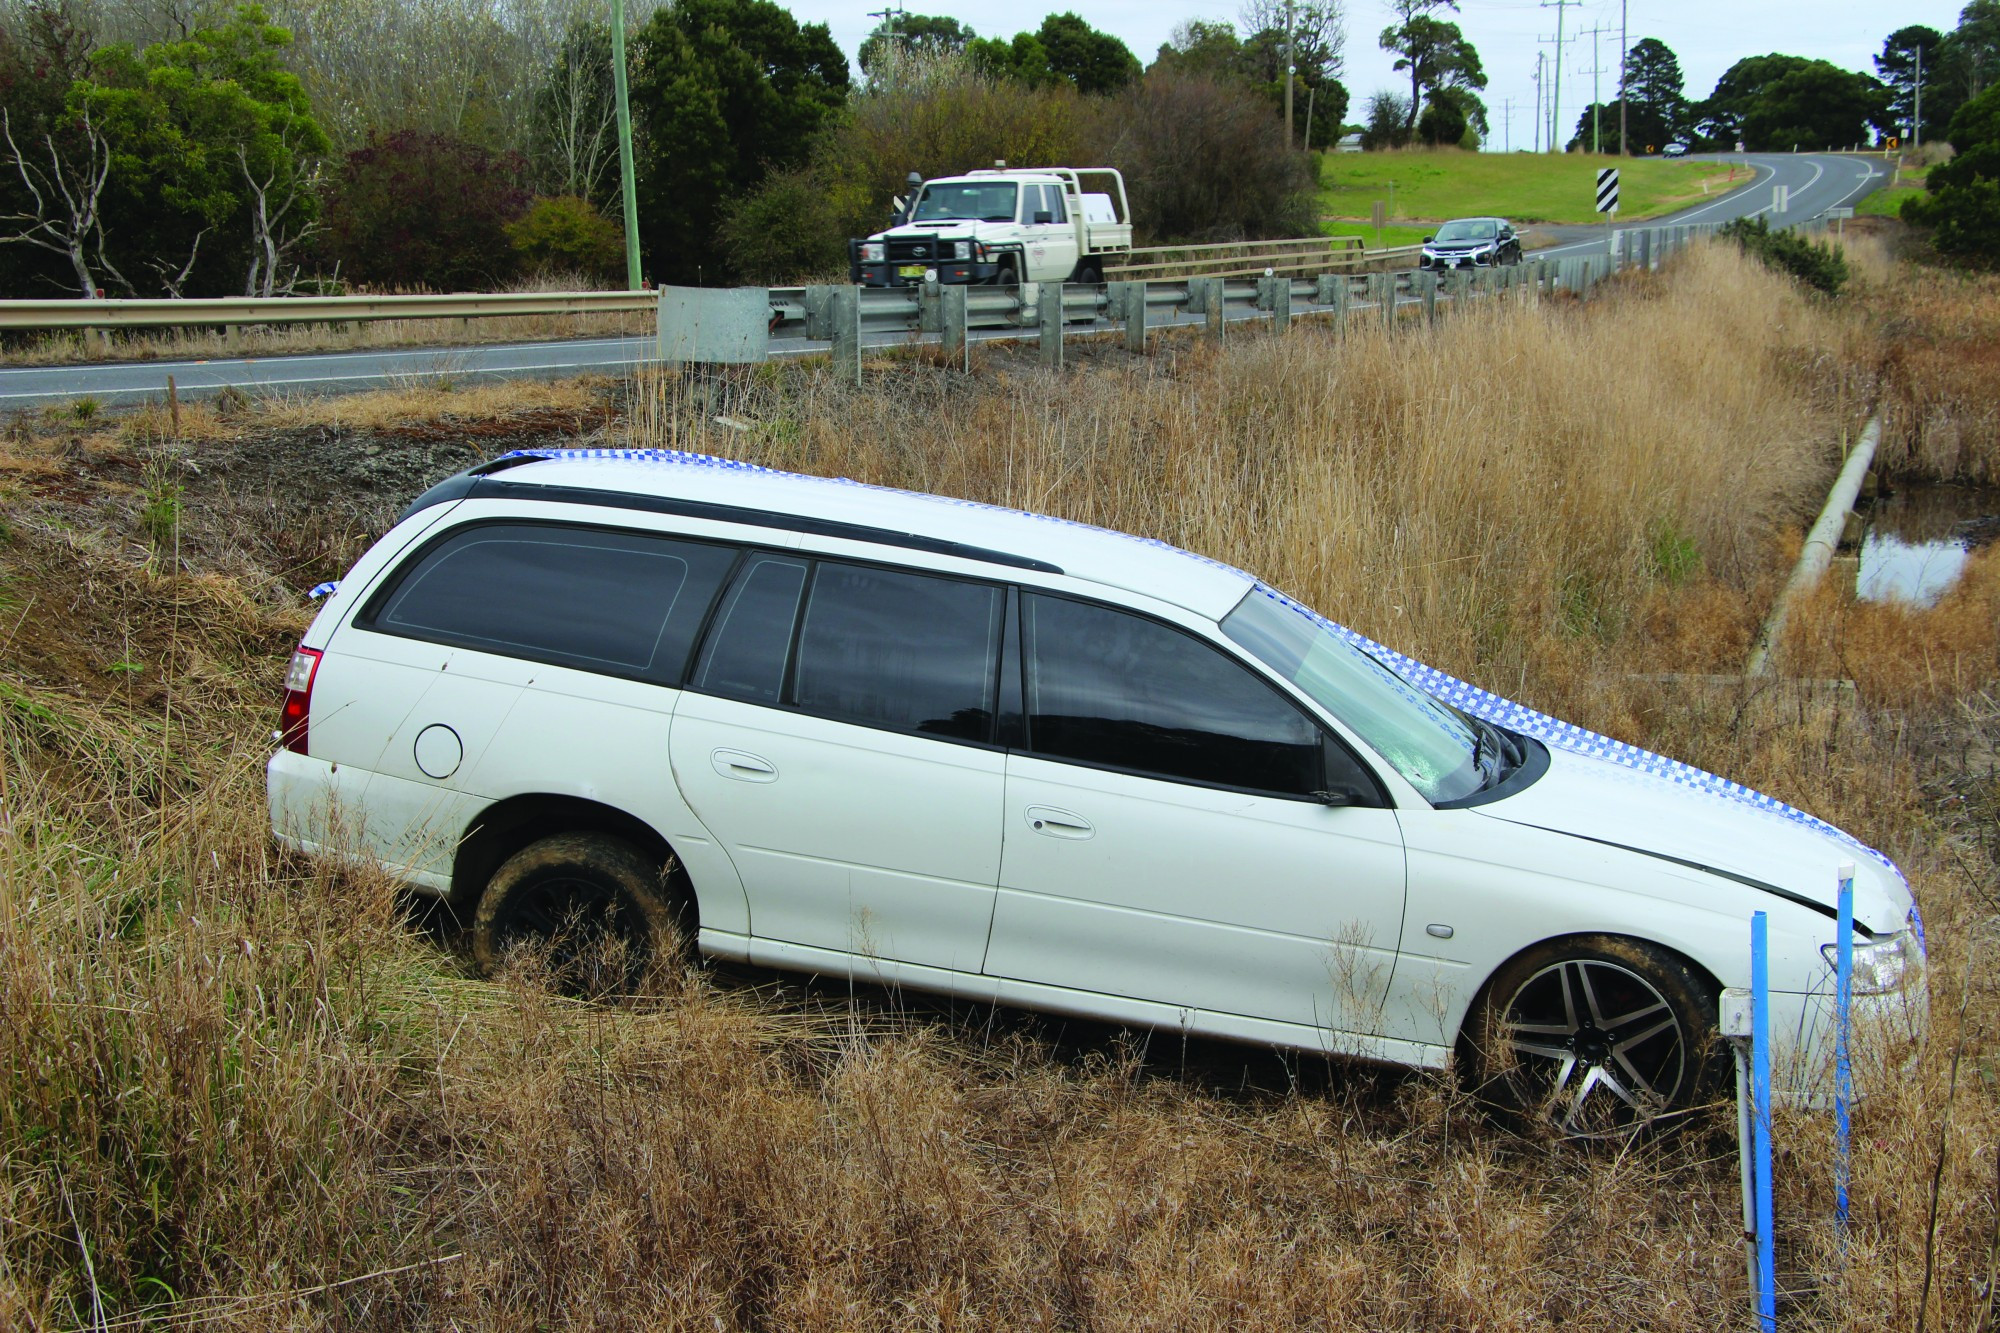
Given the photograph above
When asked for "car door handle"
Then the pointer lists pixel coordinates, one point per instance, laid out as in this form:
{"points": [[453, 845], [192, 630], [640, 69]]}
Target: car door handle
{"points": [[1059, 823], [742, 766]]}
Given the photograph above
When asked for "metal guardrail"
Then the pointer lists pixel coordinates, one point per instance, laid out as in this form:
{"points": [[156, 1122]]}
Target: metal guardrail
{"points": [[234, 311], [734, 326]]}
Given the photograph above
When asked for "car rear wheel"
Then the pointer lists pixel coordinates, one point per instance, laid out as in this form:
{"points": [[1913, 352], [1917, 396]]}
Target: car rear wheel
{"points": [[1595, 1037], [587, 908]]}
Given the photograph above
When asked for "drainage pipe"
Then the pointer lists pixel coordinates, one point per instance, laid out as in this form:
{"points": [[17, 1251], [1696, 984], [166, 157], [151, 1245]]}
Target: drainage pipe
{"points": [[1820, 545]]}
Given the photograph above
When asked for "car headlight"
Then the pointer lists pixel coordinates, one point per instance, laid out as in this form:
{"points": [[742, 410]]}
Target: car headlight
{"points": [[1880, 967], [962, 250], [871, 252]]}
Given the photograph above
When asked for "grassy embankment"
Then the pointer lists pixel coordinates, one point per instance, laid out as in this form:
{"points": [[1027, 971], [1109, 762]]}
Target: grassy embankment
{"points": [[246, 1093], [1431, 185], [1887, 202]]}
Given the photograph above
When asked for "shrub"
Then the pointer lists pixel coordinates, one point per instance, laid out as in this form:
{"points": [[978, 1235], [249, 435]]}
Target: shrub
{"points": [[1963, 202], [1205, 161], [1820, 267], [566, 232], [417, 209]]}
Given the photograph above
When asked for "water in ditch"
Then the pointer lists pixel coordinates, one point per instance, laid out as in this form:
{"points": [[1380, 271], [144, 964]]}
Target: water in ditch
{"points": [[1919, 538]]}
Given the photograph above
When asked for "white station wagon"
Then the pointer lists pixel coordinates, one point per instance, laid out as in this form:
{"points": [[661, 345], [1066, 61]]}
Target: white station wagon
{"points": [[650, 697]]}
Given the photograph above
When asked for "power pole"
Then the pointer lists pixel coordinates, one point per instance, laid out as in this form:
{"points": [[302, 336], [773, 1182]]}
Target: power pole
{"points": [[1506, 124], [625, 185], [1540, 59], [1555, 106], [889, 14], [1553, 100], [1291, 61], [1624, 59], [1596, 140], [1917, 115]]}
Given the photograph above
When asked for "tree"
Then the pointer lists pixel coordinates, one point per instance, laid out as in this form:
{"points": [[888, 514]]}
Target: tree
{"points": [[573, 144], [1456, 118], [917, 33], [1656, 110], [45, 48], [1316, 45], [723, 91], [1203, 50], [1436, 53], [1388, 121], [1816, 105], [215, 133], [1962, 199], [1907, 53], [1775, 102], [1971, 57], [1096, 62], [420, 209]]}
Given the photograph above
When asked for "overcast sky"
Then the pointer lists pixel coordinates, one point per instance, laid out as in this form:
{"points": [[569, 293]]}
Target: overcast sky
{"points": [[1708, 36]]}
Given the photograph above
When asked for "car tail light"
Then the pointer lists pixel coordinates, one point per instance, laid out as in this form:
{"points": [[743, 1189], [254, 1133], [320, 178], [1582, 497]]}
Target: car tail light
{"points": [[298, 699]]}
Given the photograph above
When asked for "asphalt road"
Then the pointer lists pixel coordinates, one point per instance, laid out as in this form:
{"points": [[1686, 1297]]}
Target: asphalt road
{"points": [[1818, 182]]}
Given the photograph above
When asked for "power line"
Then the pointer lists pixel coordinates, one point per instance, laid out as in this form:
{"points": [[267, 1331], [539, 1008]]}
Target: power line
{"points": [[1558, 41], [1596, 98]]}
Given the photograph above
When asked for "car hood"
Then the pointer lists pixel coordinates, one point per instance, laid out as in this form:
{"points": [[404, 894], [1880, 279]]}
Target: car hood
{"points": [[955, 230], [1772, 847], [1457, 245]]}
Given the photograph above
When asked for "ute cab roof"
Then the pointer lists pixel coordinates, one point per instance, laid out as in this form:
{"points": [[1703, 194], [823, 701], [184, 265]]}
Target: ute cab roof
{"points": [[706, 486]]}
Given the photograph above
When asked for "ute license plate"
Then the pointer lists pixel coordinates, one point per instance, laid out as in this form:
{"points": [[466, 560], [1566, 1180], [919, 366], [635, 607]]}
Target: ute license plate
{"points": [[910, 270]]}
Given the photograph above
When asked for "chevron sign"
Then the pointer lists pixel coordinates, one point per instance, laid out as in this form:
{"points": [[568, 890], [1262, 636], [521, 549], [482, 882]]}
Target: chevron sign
{"points": [[1607, 190]]}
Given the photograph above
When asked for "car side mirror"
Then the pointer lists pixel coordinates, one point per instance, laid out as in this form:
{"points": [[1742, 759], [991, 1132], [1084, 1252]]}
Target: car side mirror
{"points": [[1044, 215], [1429, 239]]}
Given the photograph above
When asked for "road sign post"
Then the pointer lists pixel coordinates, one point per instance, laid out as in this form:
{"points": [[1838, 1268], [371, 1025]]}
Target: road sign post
{"points": [[1607, 190]]}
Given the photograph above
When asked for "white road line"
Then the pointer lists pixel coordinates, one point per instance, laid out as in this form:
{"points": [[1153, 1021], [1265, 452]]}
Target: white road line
{"points": [[1679, 219], [1868, 173]]}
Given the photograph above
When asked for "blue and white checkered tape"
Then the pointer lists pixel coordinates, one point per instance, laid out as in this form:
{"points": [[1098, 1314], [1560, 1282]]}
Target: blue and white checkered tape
{"points": [[1553, 732]]}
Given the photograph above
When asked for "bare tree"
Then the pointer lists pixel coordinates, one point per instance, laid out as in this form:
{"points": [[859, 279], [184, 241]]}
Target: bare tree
{"points": [[66, 218], [274, 196], [1319, 33]]}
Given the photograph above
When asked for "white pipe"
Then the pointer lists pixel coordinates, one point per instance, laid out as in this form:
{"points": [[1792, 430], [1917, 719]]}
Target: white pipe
{"points": [[1820, 545]]}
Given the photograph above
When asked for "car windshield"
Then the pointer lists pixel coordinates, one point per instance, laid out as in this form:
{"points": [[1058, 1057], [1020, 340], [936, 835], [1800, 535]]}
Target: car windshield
{"points": [[978, 202], [1433, 745], [1468, 231]]}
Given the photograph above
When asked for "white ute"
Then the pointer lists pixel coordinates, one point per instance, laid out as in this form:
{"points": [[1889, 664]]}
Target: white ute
{"points": [[1003, 227]]}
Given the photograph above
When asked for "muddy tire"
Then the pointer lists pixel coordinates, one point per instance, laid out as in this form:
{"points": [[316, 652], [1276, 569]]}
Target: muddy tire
{"points": [[587, 908], [1596, 1036]]}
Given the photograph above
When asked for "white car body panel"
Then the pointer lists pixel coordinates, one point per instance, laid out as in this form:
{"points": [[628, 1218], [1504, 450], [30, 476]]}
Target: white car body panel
{"points": [[848, 838], [914, 861]]}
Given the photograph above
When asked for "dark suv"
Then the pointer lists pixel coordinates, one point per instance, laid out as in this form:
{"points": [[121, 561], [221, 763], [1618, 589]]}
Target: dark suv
{"points": [[1472, 243]]}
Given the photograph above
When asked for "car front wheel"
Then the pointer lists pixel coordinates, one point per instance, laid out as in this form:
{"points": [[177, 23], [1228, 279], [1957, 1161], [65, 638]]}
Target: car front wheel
{"points": [[586, 907], [1595, 1037]]}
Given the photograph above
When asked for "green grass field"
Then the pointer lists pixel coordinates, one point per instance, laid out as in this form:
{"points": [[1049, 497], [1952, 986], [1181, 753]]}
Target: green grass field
{"points": [[1392, 235], [1434, 184], [1887, 202]]}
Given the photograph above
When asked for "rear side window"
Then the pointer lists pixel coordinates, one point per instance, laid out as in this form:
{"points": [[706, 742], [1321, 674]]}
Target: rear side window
{"points": [[747, 649], [900, 651], [619, 602], [1114, 689]]}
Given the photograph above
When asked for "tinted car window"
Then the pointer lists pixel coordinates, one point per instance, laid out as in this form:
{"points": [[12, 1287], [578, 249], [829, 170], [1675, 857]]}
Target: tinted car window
{"points": [[628, 603], [747, 650], [901, 651], [1108, 687]]}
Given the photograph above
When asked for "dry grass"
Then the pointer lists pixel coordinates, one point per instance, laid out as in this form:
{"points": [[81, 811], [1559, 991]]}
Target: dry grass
{"points": [[244, 1093], [1940, 356]]}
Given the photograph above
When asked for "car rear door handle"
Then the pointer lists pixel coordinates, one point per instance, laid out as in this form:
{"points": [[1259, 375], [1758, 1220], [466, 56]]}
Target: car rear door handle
{"points": [[743, 766], [1059, 823]]}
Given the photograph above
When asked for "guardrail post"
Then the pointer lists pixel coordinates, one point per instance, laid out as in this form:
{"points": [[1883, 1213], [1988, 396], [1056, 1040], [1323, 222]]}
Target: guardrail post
{"points": [[818, 305], [1330, 290], [843, 318], [930, 308], [1646, 250], [1205, 299], [1049, 315], [1382, 291], [952, 299], [1128, 301], [1274, 293], [1426, 283]]}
